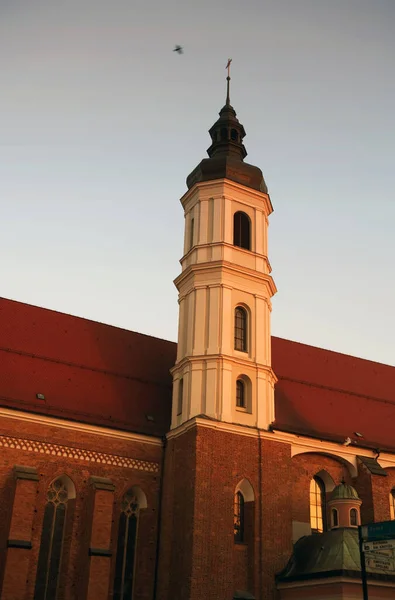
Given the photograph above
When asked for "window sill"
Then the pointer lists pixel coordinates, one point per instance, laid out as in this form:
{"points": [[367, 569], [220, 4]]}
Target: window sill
{"points": [[241, 409]]}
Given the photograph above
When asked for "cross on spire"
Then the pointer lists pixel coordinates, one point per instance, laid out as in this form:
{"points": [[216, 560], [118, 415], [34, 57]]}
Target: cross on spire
{"points": [[228, 80]]}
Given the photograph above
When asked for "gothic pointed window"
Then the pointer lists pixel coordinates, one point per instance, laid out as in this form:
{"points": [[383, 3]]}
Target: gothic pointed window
{"points": [[126, 547], [392, 504], [317, 505], [242, 230], [52, 537], [240, 341], [238, 518]]}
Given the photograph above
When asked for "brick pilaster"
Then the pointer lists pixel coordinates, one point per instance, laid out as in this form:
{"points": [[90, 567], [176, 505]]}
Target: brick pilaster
{"points": [[19, 541], [99, 546]]}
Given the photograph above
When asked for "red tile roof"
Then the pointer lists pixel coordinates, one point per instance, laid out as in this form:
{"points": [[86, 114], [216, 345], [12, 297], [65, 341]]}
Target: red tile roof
{"points": [[87, 371], [332, 396], [104, 375]]}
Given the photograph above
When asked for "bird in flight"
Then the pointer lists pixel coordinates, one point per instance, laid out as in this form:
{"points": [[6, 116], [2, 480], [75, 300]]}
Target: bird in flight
{"points": [[178, 49]]}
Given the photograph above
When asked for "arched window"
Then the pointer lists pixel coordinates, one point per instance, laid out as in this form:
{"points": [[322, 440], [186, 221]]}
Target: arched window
{"points": [[60, 491], [180, 396], [241, 230], [240, 329], [224, 133], [126, 547], [354, 517], [240, 394], [238, 518], [335, 518], [317, 505], [233, 135], [392, 504]]}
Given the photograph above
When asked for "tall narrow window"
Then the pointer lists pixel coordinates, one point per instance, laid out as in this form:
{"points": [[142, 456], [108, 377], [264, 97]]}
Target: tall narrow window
{"points": [[50, 555], [354, 517], [335, 518], [180, 396], [191, 233], [242, 230], [126, 547], [392, 504], [240, 329], [238, 519], [317, 505], [240, 394]]}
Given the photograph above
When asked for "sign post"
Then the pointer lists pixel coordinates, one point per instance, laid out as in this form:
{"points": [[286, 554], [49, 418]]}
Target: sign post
{"points": [[363, 565], [377, 546]]}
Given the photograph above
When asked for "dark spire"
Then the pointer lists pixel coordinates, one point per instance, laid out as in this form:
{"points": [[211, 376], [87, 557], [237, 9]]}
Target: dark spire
{"points": [[228, 83], [227, 133], [227, 151]]}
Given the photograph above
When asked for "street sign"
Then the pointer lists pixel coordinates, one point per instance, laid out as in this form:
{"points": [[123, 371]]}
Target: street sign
{"points": [[377, 550], [380, 563], [379, 546], [383, 553], [378, 531]]}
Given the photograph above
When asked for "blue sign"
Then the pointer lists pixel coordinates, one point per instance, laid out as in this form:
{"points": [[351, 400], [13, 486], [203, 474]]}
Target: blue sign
{"points": [[378, 531]]}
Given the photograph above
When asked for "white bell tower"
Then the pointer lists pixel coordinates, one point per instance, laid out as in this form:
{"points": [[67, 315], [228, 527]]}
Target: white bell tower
{"points": [[223, 367]]}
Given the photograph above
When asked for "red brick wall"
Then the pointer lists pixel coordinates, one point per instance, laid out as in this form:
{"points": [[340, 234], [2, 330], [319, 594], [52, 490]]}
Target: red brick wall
{"points": [[198, 557], [78, 533], [178, 506], [304, 467], [205, 466], [381, 488], [363, 485], [374, 491]]}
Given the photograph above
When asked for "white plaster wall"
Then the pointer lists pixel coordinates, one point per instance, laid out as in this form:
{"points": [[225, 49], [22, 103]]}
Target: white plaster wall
{"points": [[215, 278]]}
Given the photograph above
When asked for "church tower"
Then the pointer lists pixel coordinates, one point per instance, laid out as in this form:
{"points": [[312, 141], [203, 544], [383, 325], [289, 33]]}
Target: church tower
{"points": [[223, 367], [219, 459]]}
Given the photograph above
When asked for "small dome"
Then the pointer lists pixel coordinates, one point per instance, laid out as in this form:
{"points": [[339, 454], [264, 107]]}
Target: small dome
{"points": [[343, 491]]}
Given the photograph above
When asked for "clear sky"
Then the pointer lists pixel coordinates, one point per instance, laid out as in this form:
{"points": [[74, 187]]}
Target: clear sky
{"points": [[100, 123]]}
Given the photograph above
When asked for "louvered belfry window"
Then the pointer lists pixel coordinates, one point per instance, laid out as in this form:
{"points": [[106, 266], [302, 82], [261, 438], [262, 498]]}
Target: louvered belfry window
{"points": [[50, 555], [126, 548]]}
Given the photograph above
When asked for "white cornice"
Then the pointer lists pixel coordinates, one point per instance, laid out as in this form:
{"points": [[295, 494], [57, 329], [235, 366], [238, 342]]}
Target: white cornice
{"points": [[225, 358], [216, 185], [224, 266], [36, 419]]}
